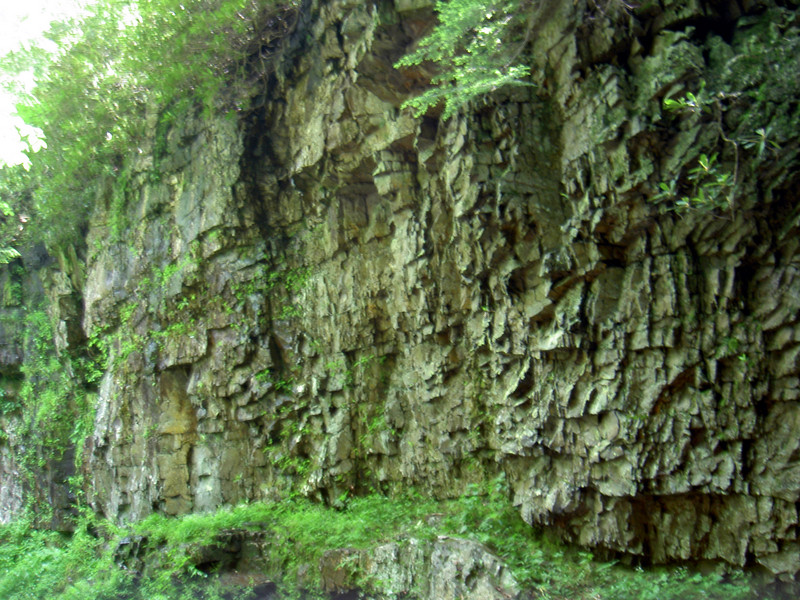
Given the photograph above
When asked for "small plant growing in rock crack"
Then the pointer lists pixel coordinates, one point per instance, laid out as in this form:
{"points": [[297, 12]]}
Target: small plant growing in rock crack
{"points": [[707, 185], [279, 384]]}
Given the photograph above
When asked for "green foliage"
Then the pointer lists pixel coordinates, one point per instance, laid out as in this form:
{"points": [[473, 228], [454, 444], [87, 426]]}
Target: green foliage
{"points": [[8, 254], [49, 394], [762, 79], [748, 97], [300, 532], [14, 208], [347, 375], [9, 399], [280, 284], [697, 104], [111, 73], [73, 569], [708, 187], [51, 410], [475, 46]]}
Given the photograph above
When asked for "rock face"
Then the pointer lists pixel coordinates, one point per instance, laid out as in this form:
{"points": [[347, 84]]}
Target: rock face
{"points": [[448, 569], [328, 294], [445, 568]]}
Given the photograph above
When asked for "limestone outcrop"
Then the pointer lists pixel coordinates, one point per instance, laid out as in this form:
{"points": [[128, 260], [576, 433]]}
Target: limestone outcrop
{"points": [[328, 294]]}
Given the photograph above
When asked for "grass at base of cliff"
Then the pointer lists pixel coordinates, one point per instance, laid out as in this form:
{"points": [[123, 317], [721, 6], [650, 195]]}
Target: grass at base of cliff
{"points": [[167, 561]]}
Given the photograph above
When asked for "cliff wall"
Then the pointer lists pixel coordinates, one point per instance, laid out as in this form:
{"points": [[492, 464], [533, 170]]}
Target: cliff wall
{"points": [[328, 295]]}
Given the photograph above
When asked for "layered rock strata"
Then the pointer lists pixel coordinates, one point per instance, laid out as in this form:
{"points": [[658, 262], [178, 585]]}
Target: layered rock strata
{"points": [[330, 295]]}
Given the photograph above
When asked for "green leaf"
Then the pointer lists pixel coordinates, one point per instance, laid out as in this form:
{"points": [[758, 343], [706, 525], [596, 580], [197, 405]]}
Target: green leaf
{"points": [[472, 47]]}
